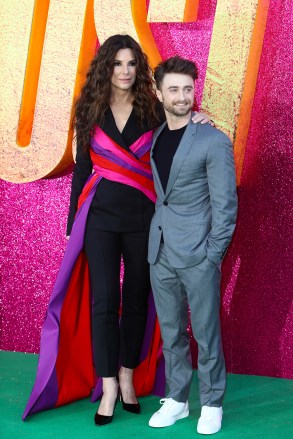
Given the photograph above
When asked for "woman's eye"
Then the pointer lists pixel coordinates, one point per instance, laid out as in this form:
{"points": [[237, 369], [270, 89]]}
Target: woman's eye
{"points": [[116, 63], [132, 63]]}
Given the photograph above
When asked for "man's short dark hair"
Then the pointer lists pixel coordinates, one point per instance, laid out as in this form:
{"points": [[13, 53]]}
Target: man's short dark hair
{"points": [[176, 64]]}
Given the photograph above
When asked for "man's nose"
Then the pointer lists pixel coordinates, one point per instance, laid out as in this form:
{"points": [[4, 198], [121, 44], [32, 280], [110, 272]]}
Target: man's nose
{"points": [[181, 95]]}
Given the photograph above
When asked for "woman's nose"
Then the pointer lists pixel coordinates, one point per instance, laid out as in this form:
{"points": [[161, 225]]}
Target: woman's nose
{"points": [[125, 69]]}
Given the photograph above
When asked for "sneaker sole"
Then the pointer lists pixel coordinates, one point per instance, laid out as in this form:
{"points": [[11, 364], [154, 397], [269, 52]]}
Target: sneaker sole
{"points": [[208, 431], [177, 418]]}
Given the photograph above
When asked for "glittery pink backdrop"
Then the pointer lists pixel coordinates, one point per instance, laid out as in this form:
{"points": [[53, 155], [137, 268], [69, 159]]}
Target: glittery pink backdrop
{"points": [[257, 273], [258, 276], [32, 240]]}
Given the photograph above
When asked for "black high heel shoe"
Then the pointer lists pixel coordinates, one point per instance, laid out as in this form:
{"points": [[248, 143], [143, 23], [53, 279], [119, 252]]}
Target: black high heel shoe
{"points": [[103, 419], [132, 408]]}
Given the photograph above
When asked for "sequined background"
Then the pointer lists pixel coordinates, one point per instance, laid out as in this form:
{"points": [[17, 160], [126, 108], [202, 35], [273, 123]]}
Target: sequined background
{"points": [[258, 279], [257, 272]]}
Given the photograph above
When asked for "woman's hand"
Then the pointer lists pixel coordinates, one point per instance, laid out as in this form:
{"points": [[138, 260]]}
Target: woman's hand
{"points": [[67, 237], [201, 118]]}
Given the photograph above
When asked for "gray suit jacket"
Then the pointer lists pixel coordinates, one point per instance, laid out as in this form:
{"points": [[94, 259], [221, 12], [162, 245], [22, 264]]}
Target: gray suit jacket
{"points": [[197, 213]]}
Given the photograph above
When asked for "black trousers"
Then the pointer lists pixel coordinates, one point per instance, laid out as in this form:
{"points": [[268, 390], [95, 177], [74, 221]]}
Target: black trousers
{"points": [[115, 344]]}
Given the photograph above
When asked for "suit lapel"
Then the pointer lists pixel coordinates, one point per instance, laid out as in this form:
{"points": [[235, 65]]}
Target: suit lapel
{"points": [[153, 164], [179, 157]]}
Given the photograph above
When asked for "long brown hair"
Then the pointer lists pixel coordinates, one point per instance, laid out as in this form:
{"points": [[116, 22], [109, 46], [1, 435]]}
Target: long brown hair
{"points": [[95, 95]]}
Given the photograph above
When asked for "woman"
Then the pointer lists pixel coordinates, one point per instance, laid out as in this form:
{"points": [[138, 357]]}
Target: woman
{"points": [[113, 195]]}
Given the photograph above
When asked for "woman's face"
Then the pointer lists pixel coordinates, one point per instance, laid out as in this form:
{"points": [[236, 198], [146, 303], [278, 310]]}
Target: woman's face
{"points": [[124, 71]]}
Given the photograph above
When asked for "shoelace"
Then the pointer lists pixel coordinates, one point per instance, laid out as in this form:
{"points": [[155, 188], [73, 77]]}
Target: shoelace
{"points": [[166, 403]]}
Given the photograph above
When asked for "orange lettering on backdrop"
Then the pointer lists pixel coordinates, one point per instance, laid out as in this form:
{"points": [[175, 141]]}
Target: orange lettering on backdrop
{"points": [[232, 69], [191, 10], [45, 55], [172, 11], [146, 39], [250, 85], [87, 51], [45, 69], [32, 73]]}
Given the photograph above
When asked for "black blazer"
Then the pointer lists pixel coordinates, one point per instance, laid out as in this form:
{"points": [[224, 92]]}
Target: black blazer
{"points": [[115, 206]]}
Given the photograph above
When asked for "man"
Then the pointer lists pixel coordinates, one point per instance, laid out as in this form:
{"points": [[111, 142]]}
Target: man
{"points": [[195, 217]]}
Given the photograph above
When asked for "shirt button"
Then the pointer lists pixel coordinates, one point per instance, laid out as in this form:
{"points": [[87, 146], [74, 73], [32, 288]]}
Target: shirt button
{"points": [[160, 228], [165, 203]]}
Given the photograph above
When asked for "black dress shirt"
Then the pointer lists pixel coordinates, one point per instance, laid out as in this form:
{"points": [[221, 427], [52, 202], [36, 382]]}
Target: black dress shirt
{"points": [[164, 151]]}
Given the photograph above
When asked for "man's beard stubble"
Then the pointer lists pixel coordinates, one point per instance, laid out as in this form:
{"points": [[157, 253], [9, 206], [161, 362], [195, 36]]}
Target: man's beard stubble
{"points": [[177, 111]]}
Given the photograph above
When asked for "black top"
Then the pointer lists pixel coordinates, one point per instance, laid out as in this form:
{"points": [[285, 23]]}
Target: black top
{"points": [[164, 151], [115, 206]]}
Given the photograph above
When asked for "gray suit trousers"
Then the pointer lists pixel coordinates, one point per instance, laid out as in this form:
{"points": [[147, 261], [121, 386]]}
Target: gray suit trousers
{"points": [[199, 287]]}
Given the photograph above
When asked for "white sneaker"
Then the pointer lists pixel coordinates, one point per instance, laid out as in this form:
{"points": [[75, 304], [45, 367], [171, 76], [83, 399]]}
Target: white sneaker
{"points": [[210, 420], [169, 413]]}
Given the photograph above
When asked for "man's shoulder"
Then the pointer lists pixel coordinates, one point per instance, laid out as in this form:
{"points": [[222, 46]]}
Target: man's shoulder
{"points": [[211, 133]]}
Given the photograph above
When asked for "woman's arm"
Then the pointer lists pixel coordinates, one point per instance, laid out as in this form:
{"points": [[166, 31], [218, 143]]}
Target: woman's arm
{"points": [[202, 118], [82, 170]]}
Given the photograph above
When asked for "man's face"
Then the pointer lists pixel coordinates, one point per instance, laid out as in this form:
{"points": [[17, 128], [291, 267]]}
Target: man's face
{"points": [[177, 93]]}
